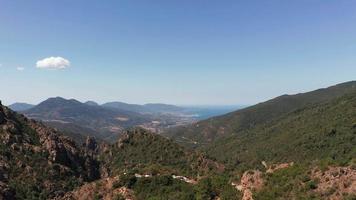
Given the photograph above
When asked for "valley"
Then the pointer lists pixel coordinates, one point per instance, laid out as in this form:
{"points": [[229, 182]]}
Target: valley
{"points": [[107, 121], [292, 147]]}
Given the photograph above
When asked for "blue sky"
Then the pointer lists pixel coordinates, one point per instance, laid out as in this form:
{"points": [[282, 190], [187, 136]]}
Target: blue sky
{"points": [[180, 52]]}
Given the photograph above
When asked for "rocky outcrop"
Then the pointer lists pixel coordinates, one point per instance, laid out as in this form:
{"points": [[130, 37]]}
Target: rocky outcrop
{"points": [[63, 150], [104, 189], [335, 182], [251, 180], [30, 151], [275, 167]]}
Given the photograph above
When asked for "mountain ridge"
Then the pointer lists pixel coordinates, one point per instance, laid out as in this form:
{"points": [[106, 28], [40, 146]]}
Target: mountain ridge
{"points": [[209, 130], [288, 154], [19, 106], [107, 123], [28, 146]]}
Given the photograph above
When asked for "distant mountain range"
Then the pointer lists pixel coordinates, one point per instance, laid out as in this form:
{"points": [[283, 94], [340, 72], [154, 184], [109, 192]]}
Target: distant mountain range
{"points": [[146, 108], [21, 106], [91, 103], [38, 162], [104, 123], [197, 112], [107, 121]]}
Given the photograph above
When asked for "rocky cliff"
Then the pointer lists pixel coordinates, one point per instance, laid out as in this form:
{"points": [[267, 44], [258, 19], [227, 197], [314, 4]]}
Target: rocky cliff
{"points": [[37, 162]]}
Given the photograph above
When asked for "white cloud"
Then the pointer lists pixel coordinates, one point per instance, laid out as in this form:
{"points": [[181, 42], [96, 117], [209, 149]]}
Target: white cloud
{"points": [[20, 68], [53, 63]]}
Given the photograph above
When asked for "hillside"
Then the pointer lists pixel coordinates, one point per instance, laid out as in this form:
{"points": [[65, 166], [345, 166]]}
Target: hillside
{"points": [[36, 162], [315, 132], [207, 131], [154, 167], [190, 112], [307, 153], [20, 106], [141, 150], [104, 123], [107, 121], [140, 165], [146, 108]]}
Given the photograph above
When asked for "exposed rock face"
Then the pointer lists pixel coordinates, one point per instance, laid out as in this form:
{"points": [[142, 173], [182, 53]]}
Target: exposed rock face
{"points": [[336, 182], [61, 151], [64, 151], [104, 189], [31, 153], [250, 180], [276, 167]]}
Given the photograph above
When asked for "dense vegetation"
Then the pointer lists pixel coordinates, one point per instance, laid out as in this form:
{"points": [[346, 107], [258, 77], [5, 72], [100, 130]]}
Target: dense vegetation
{"points": [[150, 153], [289, 183], [165, 187], [207, 131], [320, 131], [314, 130], [145, 153]]}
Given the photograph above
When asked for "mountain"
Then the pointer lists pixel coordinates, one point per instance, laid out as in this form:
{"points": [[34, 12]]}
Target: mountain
{"points": [[319, 131], [194, 113], [21, 106], [146, 108], [308, 153], [37, 162], [154, 167], [164, 108], [92, 103], [106, 123], [126, 106], [206, 112], [139, 149], [207, 131]]}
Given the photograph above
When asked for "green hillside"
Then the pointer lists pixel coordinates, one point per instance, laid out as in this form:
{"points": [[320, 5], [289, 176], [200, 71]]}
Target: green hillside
{"points": [[37, 162], [147, 152], [207, 131], [315, 132], [319, 136]]}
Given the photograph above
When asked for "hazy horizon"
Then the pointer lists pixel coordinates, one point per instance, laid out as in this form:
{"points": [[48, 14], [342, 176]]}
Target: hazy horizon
{"points": [[182, 105], [101, 103]]}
